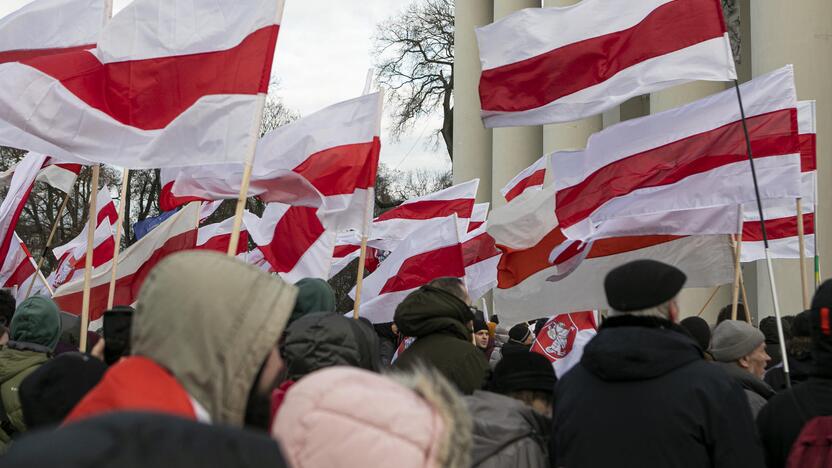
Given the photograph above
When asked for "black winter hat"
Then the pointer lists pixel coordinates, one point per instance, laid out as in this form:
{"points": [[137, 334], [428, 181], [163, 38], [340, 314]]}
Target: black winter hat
{"points": [[642, 284], [480, 325], [48, 394], [801, 325], [768, 326], [523, 371], [519, 332], [699, 330]]}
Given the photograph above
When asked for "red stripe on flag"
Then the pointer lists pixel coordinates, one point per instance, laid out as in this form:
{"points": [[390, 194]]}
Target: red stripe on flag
{"points": [[808, 152], [21, 274], [294, 234], [419, 269], [127, 287], [473, 225], [342, 251], [342, 169], [478, 249], [772, 134], [539, 80], [74, 168], [149, 94], [107, 212], [7, 241], [429, 209], [220, 243], [168, 201], [779, 228], [7, 56], [535, 179]]}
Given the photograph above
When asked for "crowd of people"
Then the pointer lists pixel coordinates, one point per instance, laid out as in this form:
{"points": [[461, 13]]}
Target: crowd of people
{"points": [[223, 365]]}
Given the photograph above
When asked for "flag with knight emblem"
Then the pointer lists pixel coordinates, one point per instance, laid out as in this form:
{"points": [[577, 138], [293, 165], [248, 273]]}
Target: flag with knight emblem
{"points": [[563, 338]]}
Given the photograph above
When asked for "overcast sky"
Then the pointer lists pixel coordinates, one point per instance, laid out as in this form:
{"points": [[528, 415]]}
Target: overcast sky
{"points": [[322, 57]]}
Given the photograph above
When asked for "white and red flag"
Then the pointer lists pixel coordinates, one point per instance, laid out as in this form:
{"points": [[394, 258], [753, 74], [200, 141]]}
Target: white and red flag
{"points": [[563, 338], [175, 234], [336, 150], [431, 251], [530, 178], [20, 187], [547, 65], [56, 174], [347, 249], [480, 257], [217, 237], [167, 84], [691, 157], [393, 226], [293, 241], [781, 215], [19, 269], [479, 215]]}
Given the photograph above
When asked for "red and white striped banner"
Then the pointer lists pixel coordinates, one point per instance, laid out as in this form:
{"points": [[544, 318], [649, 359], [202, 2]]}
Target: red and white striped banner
{"points": [[58, 175], [546, 65], [293, 241], [480, 257], [781, 215], [20, 187], [347, 249], [217, 237], [329, 158], [19, 270], [431, 251], [49, 27], [175, 234], [686, 158], [186, 76], [479, 215], [529, 178]]}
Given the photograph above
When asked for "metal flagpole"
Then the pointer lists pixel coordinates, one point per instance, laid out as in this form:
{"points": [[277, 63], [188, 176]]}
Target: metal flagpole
{"points": [[772, 284]]}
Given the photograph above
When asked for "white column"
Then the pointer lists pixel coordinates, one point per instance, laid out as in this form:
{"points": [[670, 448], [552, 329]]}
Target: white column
{"points": [[472, 141], [799, 33], [514, 148], [691, 300]]}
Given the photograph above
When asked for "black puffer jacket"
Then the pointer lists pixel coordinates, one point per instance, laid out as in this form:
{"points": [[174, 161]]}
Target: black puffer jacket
{"points": [[642, 395], [507, 433], [141, 440], [319, 340]]}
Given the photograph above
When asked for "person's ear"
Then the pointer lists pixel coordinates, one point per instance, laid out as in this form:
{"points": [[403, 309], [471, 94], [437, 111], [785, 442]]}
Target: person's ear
{"points": [[674, 311], [744, 362]]}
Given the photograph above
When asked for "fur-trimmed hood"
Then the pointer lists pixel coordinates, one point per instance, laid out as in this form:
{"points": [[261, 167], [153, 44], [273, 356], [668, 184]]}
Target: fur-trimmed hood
{"points": [[345, 417]]}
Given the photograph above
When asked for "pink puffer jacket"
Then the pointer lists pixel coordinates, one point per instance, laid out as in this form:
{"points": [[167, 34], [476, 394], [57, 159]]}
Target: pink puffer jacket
{"points": [[348, 417]]}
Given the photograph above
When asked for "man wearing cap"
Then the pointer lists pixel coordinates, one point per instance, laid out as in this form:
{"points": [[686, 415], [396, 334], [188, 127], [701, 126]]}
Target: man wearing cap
{"points": [[740, 349], [642, 394]]}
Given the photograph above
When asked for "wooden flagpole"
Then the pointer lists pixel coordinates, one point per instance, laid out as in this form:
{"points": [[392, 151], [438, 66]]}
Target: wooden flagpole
{"points": [[737, 274], [745, 298], [91, 218], [708, 302], [49, 242], [249, 166], [112, 292], [801, 241]]}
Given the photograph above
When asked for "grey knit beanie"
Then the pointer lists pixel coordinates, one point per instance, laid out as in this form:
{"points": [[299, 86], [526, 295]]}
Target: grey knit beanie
{"points": [[734, 339]]}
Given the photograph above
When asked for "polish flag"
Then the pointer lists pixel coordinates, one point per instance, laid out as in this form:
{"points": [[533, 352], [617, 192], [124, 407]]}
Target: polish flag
{"points": [[531, 284], [563, 338], [547, 65], [50, 27], [528, 179], [431, 251], [217, 237], [293, 241], [393, 226], [189, 76], [478, 216], [781, 215], [20, 187], [175, 234], [686, 158], [58, 175], [336, 150], [481, 257]]}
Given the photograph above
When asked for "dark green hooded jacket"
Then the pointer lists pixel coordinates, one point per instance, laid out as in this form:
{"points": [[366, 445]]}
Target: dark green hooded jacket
{"points": [[35, 329], [314, 295], [438, 321]]}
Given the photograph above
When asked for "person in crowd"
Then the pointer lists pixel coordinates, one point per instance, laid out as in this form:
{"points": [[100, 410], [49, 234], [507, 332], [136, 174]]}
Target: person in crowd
{"points": [[786, 415], [314, 295], [48, 394], [500, 332], [520, 339], [725, 313], [203, 344], [388, 336], [512, 420], [768, 326], [7, 306], [142, 440], [324, 339], [799, 352], [349, 417], [439, 321], [35, 329], [740, 350], [70, 338], [642, 394], [482, 337], [699, 330], [454, 286]]}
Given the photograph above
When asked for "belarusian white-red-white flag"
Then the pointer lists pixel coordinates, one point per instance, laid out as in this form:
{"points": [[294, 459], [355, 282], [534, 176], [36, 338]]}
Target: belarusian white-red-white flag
{"points": [[347, 249], [479, 215], [691, 157], [173, 235], [480, 257], [781, 215], [19, 270], [336, 150], [563, 338], [530, 178], [168, 84], [293, 241], [217, 237], [393, 226], [546, 65], [19, 189], [431, 251], [56, 174]]}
